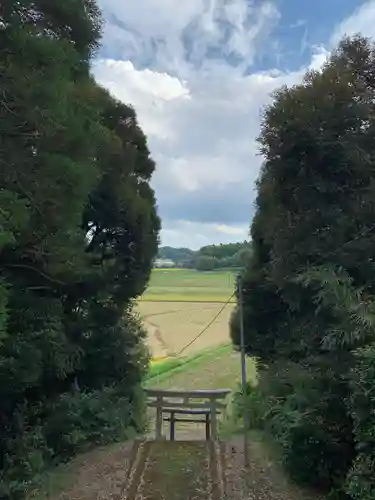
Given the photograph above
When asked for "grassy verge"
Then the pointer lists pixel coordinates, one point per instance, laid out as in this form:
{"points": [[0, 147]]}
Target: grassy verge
{"points": [[172, 366], [53, 482], [160, 367], [213, 369]]}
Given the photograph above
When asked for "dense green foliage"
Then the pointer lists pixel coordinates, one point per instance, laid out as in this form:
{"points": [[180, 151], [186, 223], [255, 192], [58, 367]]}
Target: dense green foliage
{"points": [[210, 257], [361, 484], [309, 286], [213, 257], [223, 251], [78, 234]]}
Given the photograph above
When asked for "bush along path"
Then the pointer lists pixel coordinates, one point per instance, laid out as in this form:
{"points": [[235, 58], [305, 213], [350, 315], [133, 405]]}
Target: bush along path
{"points": [[180, 470]]}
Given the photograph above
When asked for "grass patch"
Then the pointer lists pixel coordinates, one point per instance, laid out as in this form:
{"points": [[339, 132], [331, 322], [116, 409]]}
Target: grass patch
{"points": [[165, 369], [53, 482], [211, 369], [177, 470]]}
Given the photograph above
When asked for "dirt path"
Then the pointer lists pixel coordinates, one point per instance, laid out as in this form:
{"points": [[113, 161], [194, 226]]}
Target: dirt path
{"points": [[263, 480], [178, 470], [97, 475], [175, 470]]}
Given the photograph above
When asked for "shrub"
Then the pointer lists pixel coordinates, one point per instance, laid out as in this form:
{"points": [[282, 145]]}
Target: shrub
{"points": [[73, 423], [303, 409], [255, 403], [325, 445], [312, 422], [80, 420], [25, 459], [361, 482]]}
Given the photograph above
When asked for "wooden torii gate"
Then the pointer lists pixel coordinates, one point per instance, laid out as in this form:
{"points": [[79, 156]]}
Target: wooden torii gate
{"points": [[187, 406]]}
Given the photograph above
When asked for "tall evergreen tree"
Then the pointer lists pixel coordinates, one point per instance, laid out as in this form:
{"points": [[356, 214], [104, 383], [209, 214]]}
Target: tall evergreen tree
{"points": [[309, 288], [78, 233]]}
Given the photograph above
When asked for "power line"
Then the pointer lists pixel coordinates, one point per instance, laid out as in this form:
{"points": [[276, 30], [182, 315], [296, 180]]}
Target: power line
{"points": [[360, 235], [206, 327]]}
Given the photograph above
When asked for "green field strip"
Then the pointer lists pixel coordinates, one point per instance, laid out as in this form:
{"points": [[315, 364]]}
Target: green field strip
{"points": [[172, 366], [163, 313], [180, 299], [216, 372], [165, 366], [188, 285]]}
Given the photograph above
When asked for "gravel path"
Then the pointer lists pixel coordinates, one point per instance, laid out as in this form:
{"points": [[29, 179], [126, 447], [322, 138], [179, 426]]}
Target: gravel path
{"points": [[263, 480], [103, 474], [97, 475]]}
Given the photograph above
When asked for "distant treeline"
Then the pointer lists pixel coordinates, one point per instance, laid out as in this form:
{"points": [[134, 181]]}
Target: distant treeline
{"points": [[207, 258], [182, 257]]}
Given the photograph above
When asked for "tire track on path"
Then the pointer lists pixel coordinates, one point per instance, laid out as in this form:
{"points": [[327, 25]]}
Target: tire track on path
{"points": [[136, 471], [176, 470]]}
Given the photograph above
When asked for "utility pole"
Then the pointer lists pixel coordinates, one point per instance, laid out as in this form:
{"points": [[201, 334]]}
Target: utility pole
{"points": [[243, 372]]}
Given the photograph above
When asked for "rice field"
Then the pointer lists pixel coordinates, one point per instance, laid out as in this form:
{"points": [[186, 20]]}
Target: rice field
{"points": [[173, 325], [176, 308], [179, 303], [189, 285]]}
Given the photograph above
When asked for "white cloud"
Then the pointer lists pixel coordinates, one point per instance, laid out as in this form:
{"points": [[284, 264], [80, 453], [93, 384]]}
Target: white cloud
{"points": [[164, 29], [203, 139], [361, 21], [298, 24], [184, 66], [151, 93], [318, 58], [179, 234], [231, 230]]}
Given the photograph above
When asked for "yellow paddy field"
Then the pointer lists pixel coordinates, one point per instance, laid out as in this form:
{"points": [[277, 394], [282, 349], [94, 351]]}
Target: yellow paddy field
{"points": [[179, 303]]}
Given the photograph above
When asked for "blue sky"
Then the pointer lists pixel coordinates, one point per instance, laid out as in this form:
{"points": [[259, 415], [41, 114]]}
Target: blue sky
{"points": [[198, 73]]}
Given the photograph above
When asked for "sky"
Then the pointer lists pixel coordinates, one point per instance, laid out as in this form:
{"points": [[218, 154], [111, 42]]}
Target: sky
{"points": [[199, 73]]}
